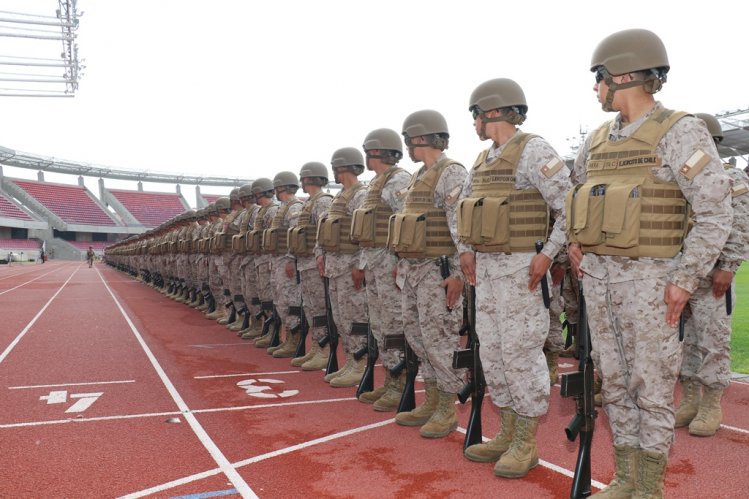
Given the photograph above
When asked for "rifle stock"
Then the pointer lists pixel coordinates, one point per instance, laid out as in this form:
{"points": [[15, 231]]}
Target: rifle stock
{"points": [[580, 386], [332, 337], [367, 380]]}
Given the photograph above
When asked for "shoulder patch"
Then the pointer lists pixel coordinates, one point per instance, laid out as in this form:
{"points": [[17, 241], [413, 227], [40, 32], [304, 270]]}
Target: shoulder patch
{"points": [[739, 189], [695, 164], [453, 196], [553, 166]]}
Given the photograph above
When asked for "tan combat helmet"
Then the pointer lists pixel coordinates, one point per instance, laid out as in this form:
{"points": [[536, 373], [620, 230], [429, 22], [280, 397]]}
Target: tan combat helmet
{"points": [[223, 205], [499, 93], [262, 187], [245, 192], [234, 195], [286, 182], [713, 126], [427, 123], [315, 172], [387, 142], [348, 157], [630, 51]]}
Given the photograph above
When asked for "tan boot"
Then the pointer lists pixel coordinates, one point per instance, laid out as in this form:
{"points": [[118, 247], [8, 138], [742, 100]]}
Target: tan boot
{"points": [[707, 420], [491, 451], [651, 472], [690, 403], [254, 331], [444, 420], [374, 395], [344, 370], [352, 377], [552, 362], [421, 413], [623, 484], [391, 399], [263, 341], [288, 349], [237, 324], [298, 361], [319, 361], [284, 333], [215, 315], [522, 455]]}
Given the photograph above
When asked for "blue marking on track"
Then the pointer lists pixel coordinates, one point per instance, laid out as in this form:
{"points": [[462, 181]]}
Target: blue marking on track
{"points": [[215, 493]]}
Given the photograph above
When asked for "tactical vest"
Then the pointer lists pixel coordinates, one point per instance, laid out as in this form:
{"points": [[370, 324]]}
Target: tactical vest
{"points": [[370, 222], [498, 217], [421, 230], [275, 239], [622, 208], [255, 236], [239, 241], [334, 231], [223, 238], [303, 237]]}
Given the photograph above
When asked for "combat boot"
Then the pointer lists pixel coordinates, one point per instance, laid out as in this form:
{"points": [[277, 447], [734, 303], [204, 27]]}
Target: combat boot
{"points": [[215, 315], [623, 484], [651, 472], [236, 326], [374, 395], [522, 455], [230, 315], [281, 344], [288, 349], [353, 376], [298, 361], [421, 413], [263, 341], [552, 362], [491, 451], [691, 391], [391, 399], [255, 330], [319, 361], [444, 420], [345, 369], [707, 420]]}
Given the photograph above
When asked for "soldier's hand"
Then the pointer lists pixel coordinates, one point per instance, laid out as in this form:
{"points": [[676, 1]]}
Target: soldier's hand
{"points": [[357, 276], [557, 273], [321, 265], [722, 279], [676, 298], [290, 270], [539, 267], [575, 255], [468, 266], [453, 289]]}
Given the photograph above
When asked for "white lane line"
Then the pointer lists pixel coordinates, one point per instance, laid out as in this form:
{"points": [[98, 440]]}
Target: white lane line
{"points": [[223, 463], [33, 321], [85, 420], [30, 271], [733, 428], [265, 406], [547, 464], [262, 457], [72, 384], [244, 374], [213, 345], [27, 282]]}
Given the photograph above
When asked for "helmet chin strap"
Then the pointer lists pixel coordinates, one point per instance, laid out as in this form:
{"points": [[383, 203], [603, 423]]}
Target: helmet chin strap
{"points": [[613, 87], [511, 117]]}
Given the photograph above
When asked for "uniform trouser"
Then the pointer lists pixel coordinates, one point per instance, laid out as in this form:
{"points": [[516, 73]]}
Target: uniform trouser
{"points": [[263, 282], [313, 297], [512, 324], [385, 308], [638, 356], [554, 341], [234, 277], [286, 293], [349, 307], [203, 261], [707, 338], [215, 281], [249, 284], [432, 330]]}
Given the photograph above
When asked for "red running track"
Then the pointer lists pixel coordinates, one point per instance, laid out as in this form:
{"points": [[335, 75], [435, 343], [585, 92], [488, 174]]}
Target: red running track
{"points": [[111, 389]]}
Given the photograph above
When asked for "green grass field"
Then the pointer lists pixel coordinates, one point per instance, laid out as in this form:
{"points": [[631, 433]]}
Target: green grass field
{"points": [[740, 336]]}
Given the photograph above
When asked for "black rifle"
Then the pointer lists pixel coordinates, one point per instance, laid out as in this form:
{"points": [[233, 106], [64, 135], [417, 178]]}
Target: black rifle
{"points": [[476, 386], [275, 338], [410, 363], [367, 380], [303, 325], [729, 301], [332, 337], [544, 281], [580, 385]]}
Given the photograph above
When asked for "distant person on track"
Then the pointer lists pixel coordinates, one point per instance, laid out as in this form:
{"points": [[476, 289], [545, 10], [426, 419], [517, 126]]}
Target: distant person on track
{"points": [[90, 256]]}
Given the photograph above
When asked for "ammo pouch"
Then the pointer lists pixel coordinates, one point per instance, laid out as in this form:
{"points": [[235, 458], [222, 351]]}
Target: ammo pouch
{"points": [[238, 243], [270, 240], [329, 234], [606, 214], [254, 241], [363, 226], [407, 234], [484, 221], [298, 241]]}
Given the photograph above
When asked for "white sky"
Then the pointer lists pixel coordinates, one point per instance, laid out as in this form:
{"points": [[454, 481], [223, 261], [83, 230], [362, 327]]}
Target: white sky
{"points": [[250, 88]]}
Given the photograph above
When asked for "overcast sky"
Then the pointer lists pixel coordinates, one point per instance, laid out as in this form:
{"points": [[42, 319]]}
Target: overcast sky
{"points": [[251, 88]]}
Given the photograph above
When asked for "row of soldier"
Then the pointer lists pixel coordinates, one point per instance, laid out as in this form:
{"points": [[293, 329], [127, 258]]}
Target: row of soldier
{"points": [[396, 257]]}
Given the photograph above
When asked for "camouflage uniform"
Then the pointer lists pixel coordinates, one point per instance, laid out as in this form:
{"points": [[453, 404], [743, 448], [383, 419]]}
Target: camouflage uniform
{"points": [[637, 353], [430, 328], [513, 360], [707, 333], [286, 291], [263, 261], [248, 277]]}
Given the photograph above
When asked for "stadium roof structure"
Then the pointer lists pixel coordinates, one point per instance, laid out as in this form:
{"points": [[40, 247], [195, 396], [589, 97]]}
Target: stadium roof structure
{"points": [[735, 125]]}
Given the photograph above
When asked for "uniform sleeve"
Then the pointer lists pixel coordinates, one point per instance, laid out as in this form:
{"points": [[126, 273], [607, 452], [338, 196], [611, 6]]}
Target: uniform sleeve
{"points": [[685, 148], [736, 249], [446, 195], [395, 190]]}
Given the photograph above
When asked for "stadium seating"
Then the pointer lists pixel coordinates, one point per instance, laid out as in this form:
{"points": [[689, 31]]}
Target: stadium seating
{"points": [[211, 198], [71, 203], [20, 244], [150, 208], [10, 210]]}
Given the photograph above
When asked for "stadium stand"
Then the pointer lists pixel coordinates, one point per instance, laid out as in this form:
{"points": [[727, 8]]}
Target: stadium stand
{"points": [[9, 210], [22, 249], [211, 198], [149, 209], [72, 204]]}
